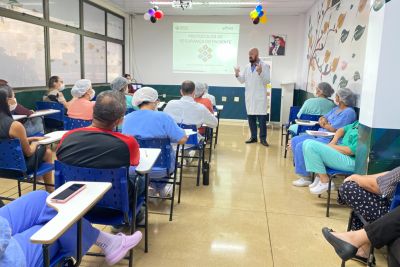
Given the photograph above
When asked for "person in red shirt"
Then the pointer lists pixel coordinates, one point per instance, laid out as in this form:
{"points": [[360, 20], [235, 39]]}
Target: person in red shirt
{"points": [[98, 146]]}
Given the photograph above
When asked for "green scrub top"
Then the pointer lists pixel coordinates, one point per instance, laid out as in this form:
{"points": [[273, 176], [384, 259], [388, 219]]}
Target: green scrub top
{"points": [[350, 138], [129, 104], [316, 106]]}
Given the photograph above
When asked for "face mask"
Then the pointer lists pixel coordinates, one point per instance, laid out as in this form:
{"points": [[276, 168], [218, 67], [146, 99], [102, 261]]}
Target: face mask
{"points": [[13, 106], [92, 94], [62, 88]]}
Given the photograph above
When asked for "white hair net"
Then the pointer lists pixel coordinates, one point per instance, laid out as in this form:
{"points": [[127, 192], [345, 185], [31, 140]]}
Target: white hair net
{"points": [[81, 87], [144, 94], [119, 83], [347, 97], [206, 85], [200, 89]]}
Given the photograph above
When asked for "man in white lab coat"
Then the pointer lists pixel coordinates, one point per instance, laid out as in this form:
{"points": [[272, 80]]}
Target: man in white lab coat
{"points": [[256, 76]]}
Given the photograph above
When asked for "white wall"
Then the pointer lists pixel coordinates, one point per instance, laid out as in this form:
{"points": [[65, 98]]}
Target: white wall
{"points": [[152, 48]]}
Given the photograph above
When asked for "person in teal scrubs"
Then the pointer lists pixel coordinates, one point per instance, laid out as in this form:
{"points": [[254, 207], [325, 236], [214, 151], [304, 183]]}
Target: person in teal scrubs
{"points": [[319, 105], [121, 84], [318, 156]]}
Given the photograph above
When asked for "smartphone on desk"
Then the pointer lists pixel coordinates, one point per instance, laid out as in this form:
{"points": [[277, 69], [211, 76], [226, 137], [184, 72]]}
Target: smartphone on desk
{"points": [[68, 193]]}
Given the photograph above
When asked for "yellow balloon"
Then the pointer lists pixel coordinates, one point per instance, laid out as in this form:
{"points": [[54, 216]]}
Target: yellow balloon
{"points": [[253, 14]]}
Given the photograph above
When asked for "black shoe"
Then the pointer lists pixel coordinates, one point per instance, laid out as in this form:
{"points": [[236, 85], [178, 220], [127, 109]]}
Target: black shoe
{"points": [[251, 140], [363, 260], [345, 250], [264, 143]]}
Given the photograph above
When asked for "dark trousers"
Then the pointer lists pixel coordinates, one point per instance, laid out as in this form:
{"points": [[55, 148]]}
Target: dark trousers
{"points": [[262, 121], [385, 230]]}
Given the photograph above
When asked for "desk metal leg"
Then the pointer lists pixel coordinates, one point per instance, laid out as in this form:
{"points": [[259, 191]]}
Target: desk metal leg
{"points": [[46, 256], [79, 243], [146, 218]]}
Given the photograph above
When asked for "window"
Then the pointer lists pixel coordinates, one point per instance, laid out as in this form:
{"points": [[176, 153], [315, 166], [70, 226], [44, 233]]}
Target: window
{"points": [[95, 60], [94, 19], [65, 55], [115, 27], [65, 12], [114, 61], [22, 55], [31, 7]]}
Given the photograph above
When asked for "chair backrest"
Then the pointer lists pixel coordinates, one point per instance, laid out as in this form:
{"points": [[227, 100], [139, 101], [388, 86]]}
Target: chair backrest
{"points": [[396, 198], [70, 124], [164, 160], [293, 113], [129, 110], [116, 198], [11, 155], [40, 105], [192, 140]]}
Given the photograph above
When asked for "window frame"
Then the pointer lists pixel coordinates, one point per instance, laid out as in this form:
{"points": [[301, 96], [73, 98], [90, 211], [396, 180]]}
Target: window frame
{"points": [[48, 24]]}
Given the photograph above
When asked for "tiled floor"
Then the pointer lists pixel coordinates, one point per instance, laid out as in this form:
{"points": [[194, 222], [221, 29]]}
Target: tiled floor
{"points": [[249, 215]]}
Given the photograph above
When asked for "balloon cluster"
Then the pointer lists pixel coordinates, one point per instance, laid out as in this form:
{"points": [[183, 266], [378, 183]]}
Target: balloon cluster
{"points": [[258, 15], [154, 14]]}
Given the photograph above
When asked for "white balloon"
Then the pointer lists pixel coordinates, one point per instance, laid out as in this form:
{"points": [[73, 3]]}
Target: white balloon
{"points": [[146, 16]]}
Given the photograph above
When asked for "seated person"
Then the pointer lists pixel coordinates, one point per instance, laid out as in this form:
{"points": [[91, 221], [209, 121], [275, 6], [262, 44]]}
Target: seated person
{"points": [[187, 111], [338, 117], [120, 84], [319, 105], [23, 217], [369, 195], [81, 106], [211, 97], [10, 129], [379, 233], [318, 156], [54, 94], [32, 126], [98, 146], [150, 123], [131, 90], [199, 91]]}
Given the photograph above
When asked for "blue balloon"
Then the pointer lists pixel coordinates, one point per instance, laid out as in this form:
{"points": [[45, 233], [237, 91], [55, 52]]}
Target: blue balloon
{"points": [[259, 8], [261, 13]]}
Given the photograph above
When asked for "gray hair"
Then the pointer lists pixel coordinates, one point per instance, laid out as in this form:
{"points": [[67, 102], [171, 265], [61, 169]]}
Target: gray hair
{"points": [[347, 97], [119, 84], [326, 89], [110, 106], [200, 89]]}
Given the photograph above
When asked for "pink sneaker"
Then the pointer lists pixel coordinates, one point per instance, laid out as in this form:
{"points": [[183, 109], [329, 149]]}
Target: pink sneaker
{"points": [[128, 242]]}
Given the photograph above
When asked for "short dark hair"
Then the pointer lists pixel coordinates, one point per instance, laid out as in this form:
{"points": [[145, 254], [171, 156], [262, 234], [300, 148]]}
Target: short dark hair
{"points": [[188, 87], [53, 80], [110, 106], [126, 75], [6, 92]]}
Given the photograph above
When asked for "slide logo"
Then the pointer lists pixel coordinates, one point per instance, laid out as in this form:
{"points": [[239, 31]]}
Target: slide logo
{"points": [[205, 53]]}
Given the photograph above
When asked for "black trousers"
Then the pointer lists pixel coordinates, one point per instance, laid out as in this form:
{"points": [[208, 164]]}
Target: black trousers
{"points": [[385, 230], [262, 121]]}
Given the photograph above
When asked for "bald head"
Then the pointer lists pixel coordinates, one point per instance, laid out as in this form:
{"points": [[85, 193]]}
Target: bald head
{"points": [[253, 55]]}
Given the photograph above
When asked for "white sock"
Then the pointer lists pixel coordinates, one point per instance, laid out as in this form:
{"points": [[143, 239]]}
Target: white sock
{"points": [[108, 242]]}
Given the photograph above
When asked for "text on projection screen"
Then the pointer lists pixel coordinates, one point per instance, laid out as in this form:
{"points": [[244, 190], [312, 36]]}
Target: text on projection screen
{"points": [[205, 48]]}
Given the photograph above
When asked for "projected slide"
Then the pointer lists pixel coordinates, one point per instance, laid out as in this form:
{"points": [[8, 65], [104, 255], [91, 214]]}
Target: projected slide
{"points": [[205, 48]]}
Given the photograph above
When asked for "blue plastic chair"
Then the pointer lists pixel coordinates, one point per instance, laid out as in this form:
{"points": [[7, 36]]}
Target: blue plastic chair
{"points": [[70, 124], [294, 110], [129, 110], [193, 143], [333, 174], [12, 165], [57, 117], [396, 198], [162, 165], [113, 208]]}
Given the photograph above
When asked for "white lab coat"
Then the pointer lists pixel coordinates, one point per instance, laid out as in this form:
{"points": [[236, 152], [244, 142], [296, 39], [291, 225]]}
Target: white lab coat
{"points": [[255, 89]]}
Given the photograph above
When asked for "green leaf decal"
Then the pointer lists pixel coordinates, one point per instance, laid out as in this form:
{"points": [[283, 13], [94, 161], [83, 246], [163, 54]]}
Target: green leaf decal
{"points": [[334, 79], [344, 36], [356, 76], [378, 4], [343, 82], [359, 32]]}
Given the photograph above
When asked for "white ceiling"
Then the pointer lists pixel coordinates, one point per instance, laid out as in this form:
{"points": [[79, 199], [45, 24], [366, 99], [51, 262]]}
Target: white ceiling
{"points": [[275, 7]]}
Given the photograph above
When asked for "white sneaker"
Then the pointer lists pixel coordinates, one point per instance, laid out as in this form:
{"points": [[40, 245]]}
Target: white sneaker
{"points": [[321, 188], [316, 181], [301, 182], [167, 191]]}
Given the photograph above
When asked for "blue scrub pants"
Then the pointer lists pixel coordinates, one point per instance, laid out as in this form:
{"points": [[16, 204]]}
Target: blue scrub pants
{"points": [[298, 156], [27, 214], [262, 121]]}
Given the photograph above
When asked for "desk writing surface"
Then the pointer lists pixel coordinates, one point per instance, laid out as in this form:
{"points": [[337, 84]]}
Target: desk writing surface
{"points": [[19, 117], [52, 137], [69, 212], [148, 157], [44, 112]]}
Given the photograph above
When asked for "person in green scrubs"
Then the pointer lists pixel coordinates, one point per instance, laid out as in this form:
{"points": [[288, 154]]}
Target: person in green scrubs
{"points": [[319, 105], [318, 156]]}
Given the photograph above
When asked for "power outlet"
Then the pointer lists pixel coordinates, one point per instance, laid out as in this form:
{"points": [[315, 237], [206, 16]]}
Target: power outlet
{"points": [[164, 95], [236, 99], [224, 99]]}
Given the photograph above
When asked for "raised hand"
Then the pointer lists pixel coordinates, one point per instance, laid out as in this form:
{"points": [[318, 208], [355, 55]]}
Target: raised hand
{"points": [[259, 68], [237, 71]]}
